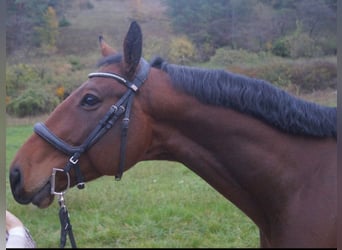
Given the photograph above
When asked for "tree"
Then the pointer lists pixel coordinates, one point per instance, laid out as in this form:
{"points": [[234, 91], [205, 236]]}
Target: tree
{"points": [[181, 51], [22, 18], [253, 24], [48, 31]]}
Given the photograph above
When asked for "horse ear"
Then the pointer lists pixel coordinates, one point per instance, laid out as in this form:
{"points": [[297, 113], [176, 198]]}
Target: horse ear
{"points": [[106, 50], [132, 49]]}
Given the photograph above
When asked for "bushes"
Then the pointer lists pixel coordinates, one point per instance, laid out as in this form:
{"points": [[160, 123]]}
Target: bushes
{"points": [[33, 89], [226, 56], [315, 75], [278, 73], [37, 88], [75, 63], [18, 77], [63, 22], [32, 102], [281, 48], [181, 51], [306, 75], [300, 44]]}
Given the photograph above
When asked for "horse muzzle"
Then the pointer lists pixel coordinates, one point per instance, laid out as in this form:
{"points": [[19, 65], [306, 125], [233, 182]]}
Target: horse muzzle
{"points": [[42, 198]]}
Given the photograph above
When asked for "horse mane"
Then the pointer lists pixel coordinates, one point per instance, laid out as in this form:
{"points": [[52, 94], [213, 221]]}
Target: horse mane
{"points": [[254, 97]]}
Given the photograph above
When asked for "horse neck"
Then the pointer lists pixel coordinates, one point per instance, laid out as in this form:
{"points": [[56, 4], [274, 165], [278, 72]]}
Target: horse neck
{"points": [[252, 164]]}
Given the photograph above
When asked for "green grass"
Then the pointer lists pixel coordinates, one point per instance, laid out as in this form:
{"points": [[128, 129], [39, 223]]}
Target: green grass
{"points": [[156, 204]]}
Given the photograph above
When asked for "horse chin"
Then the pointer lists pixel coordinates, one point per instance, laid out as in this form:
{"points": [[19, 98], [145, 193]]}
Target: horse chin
{"points": [[43, 198]]}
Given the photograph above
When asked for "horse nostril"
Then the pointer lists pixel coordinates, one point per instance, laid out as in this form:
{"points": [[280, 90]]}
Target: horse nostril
{"points": [[16, 183], [15, 179]]}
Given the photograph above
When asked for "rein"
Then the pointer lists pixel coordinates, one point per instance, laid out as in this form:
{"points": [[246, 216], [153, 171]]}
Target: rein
{"points": [[121, 107]]}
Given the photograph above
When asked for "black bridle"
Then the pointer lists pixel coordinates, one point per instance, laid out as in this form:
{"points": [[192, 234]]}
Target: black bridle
{"points": [[121, 107]]}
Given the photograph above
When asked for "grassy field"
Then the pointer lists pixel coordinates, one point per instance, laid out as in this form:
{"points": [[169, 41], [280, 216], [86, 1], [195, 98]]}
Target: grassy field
{"points": [[156, 204]]}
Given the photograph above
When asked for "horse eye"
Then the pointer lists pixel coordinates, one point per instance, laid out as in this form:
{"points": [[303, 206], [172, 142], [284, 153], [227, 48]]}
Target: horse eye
{"points": [[89, 100]]}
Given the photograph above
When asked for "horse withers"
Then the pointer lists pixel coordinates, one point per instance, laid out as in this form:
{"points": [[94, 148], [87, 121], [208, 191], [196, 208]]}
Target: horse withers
{"points": [[271, 154]]}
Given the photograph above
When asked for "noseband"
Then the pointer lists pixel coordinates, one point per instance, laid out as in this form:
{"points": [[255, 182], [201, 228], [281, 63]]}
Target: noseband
{"points": [[123, 106]]}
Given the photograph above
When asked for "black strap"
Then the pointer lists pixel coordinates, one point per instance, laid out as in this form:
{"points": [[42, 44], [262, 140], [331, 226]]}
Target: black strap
{"points": [[124, 130], [41, 129], [66, 228], [73, 163]]}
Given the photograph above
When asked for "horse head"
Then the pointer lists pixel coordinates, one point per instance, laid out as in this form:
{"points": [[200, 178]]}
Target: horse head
{"points": [[85, 134]]}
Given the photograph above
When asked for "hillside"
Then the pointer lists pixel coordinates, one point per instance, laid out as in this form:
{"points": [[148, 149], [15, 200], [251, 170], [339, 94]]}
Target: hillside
{"points": [[111, 19], [36, 76]]}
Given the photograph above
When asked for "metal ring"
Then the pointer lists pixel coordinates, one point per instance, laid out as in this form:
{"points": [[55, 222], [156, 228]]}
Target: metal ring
{"points": [[53, 181]]}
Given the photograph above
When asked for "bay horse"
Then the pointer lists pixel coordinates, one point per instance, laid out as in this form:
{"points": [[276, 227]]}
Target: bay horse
{"points": [[270, 153]]}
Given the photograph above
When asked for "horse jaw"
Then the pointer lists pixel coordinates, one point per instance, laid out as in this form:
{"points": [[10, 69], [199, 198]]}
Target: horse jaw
{"points": [[43, 198]]}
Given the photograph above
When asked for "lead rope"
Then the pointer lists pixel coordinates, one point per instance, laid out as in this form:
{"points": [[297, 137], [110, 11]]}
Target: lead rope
{"points": [[66, 228], [64, 218]]}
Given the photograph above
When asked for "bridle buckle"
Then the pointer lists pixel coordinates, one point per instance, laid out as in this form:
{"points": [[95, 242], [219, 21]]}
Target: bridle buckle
{"points": [[73, 161]]}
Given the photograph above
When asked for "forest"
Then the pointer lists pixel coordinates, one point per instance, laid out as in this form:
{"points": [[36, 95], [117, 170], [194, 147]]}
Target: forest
{"points": [[291, 43]]}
